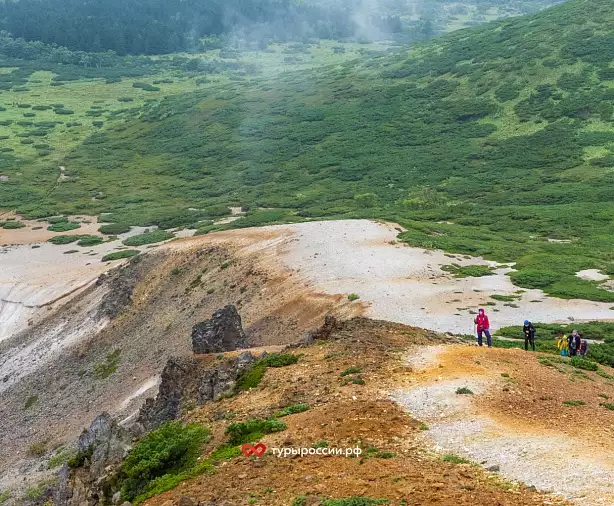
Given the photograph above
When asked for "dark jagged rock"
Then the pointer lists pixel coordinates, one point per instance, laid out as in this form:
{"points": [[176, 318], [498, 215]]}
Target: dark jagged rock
{"points": [[331, 324], [106, 442], [188, 382], [223, 332]]}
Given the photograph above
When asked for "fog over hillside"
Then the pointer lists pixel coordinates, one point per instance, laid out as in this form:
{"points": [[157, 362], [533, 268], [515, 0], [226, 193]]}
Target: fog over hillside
{"points": [[156, 27]]}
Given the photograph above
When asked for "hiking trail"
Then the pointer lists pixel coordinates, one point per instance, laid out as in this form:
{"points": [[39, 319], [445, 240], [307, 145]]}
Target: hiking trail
{"points": [[515, 422]]}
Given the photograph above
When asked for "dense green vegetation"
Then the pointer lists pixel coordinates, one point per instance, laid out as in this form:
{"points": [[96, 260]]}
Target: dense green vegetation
{"points": [[493, 141], [161, 456]]}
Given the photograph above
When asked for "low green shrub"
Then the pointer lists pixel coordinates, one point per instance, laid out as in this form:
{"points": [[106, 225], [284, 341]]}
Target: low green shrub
{"points": [[169, 451], [252, 430], [466, 271], [464, 391], [90, 240], [352, 297], [64, 226], [279, 359], [607, 405], [574, 403], [114, 229], [351, 370], [145, 86], [109, 366], [225, 452], [581, 363], [252, 376], [455, 459], [118, 255], [59, 459], [505, 298], [63, 239], [30, 401], [148, 238], [12, 224], [290, 410], [79, 459]]}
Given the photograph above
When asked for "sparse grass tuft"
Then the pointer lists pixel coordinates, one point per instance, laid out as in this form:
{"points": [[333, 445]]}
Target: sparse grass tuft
{"points": [[455, 459], [109, 366], [38, 449], [474, 271], [505, 298], [351, 370], [290, 410], [574, 403], [252, 430], [352, 297], [30, 401]]}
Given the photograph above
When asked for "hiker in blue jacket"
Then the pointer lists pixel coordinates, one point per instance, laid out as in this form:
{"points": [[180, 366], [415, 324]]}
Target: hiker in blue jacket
{"points": [[529, 335]]}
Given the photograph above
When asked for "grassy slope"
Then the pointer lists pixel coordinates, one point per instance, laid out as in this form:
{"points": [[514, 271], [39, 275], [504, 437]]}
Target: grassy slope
{"points": [[499, 129]]}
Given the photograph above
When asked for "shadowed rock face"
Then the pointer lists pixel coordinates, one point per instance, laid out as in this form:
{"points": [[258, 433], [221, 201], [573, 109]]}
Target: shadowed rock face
{"points": [[107, 443], [223, 332], [191, 381]]}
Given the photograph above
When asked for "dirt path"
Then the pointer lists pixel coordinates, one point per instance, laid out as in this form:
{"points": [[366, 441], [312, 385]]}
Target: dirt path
{"points": [[516, 420]]}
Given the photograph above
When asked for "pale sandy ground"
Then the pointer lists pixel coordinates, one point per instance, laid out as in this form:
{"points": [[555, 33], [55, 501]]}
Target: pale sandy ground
{"points": [[568, 467], [592, 275], [397, 282], [35, 280], [407, 285]]}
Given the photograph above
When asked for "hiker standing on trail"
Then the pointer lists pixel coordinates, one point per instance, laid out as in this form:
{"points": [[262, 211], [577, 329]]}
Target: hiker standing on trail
{"points": [[563, 345], [575, 343], [483, 326], [584, 348], [529, 335]]}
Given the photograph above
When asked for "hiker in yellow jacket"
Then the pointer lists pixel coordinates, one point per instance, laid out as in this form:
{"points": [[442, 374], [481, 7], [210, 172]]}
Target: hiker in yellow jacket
{"points": [[563, 345]]}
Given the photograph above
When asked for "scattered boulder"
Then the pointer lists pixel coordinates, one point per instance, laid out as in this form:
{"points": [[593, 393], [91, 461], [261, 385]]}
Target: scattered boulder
{"points": [[223, 332], [331, 324]]}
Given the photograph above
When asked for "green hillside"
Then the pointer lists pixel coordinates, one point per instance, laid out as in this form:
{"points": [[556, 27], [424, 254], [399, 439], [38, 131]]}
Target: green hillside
{"points": [[493, 140]]}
